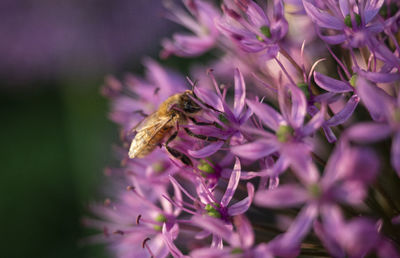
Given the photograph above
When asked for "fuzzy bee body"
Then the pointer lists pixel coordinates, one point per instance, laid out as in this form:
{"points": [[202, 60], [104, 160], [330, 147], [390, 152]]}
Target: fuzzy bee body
{"points": [[157, 126]]}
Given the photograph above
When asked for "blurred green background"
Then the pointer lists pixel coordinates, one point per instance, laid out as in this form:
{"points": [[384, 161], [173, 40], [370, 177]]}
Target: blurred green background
{"points": [[55, 135]]}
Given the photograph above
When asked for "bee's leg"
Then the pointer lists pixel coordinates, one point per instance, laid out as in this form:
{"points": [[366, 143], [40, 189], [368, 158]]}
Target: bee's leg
{"points": [[177, 154], [202, 137], [203, 123]]}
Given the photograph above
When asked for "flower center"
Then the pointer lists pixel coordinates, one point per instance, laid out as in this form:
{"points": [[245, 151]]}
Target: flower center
{"points": [[160, 218], [353, 80], [347, 20], [315, 190], [265, 30], [158, 167], [205, 167], [284, 133], [213, 212], [304, 88], [237, 250], [396, 115]]}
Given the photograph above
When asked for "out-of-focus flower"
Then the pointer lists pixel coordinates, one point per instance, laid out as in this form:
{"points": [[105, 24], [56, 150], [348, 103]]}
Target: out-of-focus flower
{"points": [[200, 22], [248, 25], [341, 182], [385, 110]]}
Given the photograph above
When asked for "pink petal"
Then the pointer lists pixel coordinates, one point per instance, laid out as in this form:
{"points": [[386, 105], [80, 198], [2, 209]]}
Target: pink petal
{"points": [[240, 93], [345, 113], [323, 19], [395, 153], [267, 114], [242, 206], [368, 132], [232, 185], [330, 84], [255, 150], [207, 151], [284, 196]]}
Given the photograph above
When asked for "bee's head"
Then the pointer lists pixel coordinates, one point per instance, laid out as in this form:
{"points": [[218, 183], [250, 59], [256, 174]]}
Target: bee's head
{"points": [[187, 104]]}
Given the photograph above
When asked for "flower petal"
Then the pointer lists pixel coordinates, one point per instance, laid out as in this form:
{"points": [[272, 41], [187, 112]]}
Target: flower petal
{"points": [[242, 206], [207, 151], [368, 132], [322, 19], [285, 196], [232, 185], [267, 114], [299, 106], [395, 153], [345, 113], [315, 123], [377, 101], [330, 84], [240, 93], [245, 231], [301, 225], [255, 150], [217, 227]]}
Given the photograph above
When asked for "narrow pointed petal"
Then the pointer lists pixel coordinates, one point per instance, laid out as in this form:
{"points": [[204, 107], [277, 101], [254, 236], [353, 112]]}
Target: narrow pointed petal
{"points": [[330, 84], [170, 244], [209, 97], [345, 113], [267, 114], [245, 231], [371, 9], [242, 206], [285, 196], [379, 77], [395, 153], [344, 7], [217, 227], [240, 93], [207, 151], [315, 123], [232, 185], [322, 19], [299, 106], [333, 39], [302, 225], [301, 163], [377, 101], [255, 150], [368, 132]]}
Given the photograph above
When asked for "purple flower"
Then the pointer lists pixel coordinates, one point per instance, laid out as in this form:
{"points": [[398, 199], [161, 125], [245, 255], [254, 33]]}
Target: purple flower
{"points": [[336, 87], [353, 23], [240, 241], [289, 129], [385, 110], [249, 27], [200, 22], [134, 225], [345, 180]]}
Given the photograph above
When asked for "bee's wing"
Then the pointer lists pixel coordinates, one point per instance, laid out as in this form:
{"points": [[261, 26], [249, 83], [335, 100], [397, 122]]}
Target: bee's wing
{"points": [[146, 132], [147, 122]]}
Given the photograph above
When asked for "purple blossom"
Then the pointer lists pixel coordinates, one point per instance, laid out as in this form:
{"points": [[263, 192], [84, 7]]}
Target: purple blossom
{"points": [[248, 25], [385, 110], [342, 182], [200, 22], [289, 129], [336, 198]]}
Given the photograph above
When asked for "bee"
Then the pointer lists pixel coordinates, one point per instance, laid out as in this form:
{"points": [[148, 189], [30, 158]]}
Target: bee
{"points": [[175, 110]]}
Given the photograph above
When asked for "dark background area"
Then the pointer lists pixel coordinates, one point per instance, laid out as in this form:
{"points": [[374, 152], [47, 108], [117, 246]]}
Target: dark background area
{"points": [[55, 135]]}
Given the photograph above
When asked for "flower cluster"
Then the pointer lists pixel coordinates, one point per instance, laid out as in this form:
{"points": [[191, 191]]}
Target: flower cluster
{"points": [[295, 149]]}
